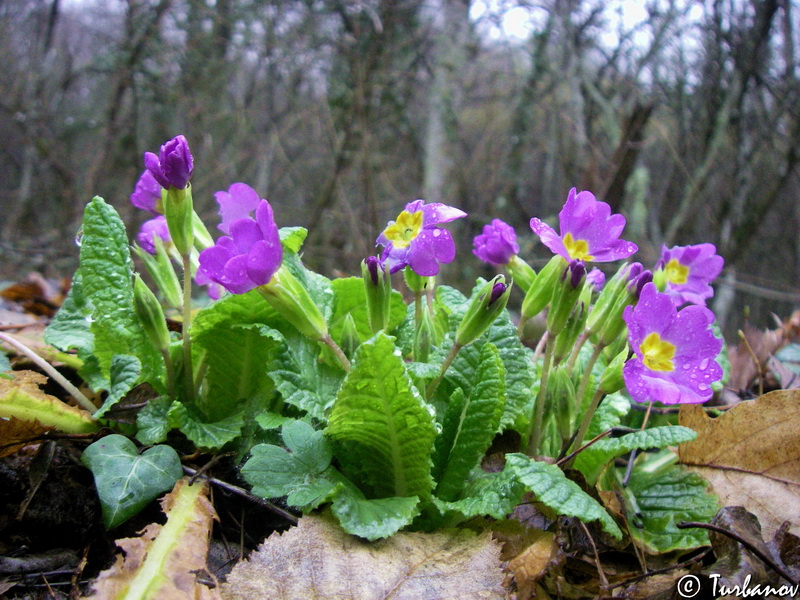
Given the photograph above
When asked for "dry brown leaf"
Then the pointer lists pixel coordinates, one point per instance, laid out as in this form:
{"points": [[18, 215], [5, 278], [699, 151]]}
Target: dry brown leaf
{"points": [[15, 434], [317, 559], [751, 456], [161, 564], [532, 563]]}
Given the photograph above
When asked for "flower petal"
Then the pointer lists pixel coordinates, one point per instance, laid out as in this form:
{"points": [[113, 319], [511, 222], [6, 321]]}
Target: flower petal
{"points": [[549, 237], [245, 232], [433, 214], [263, 260], [237, 203]]}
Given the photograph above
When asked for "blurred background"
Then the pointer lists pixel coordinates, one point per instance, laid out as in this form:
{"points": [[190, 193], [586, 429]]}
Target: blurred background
{"points": [[683, 115]]}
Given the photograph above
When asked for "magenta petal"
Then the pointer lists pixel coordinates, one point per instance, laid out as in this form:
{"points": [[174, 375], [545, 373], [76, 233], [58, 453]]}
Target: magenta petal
{"points": [[421, 256], [266, 221], [235, 277], [433, 214], [645, 385], [237, 203], [549, 237], [153, 165], [245, 233], [213, 260], [654, 312], [263, 260]]}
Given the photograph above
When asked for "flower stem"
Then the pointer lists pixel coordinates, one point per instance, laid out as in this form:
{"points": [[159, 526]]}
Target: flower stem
{"points": [[587, 374], [587, 419], [82, 400], [535, 428], [328, 341], [188, 371], [577, 350], [445, 365]]}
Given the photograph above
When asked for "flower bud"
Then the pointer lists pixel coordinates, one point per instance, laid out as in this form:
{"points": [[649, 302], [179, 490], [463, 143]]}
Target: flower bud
{"points": [[541, 289], [173, 166], [350, 337], [163, 273], [566, 293], [291, 300], [150, 314], [611, 380], [424, 337], [565, 341], [610, 295], [561, 398], [521, 272], [179, 212], [483, 310], [614, 325], [378, 287], [417, 283]]}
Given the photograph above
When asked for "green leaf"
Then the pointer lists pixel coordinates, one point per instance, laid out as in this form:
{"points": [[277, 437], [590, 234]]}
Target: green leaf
{"points": [[302, 380], [492, 494], [5, 365], [70, 327], [237, 348], [152, 423], [469, 425], [517, 358], [204, 434], [302, 473], [318, 286], [292, 238], [552, 488], [609, 414], [383, 429], [125, 372], [376, 518], [660, 494], [106, 273], [270, 420], [126, 481], [350, 298], [591, 461]]}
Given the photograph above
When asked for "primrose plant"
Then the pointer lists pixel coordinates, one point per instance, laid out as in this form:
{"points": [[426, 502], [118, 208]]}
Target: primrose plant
{"points": [[336, 392]]}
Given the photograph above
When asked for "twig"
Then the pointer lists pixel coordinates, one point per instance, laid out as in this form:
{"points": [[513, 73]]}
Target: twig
{"points": [[569, 457], [756, 362], [245, 494], [600, 573], [765, 559], [685, 563], [632, 458], [51, 371]]}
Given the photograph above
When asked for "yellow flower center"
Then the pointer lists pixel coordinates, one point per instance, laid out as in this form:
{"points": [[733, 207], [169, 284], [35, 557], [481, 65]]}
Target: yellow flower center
{"points": [[403, 231], [577, 249], [657, 354], [676, 272]]}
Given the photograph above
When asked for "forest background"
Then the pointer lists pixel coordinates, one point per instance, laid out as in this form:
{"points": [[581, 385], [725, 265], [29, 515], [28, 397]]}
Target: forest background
{"points": [[683, 115]]}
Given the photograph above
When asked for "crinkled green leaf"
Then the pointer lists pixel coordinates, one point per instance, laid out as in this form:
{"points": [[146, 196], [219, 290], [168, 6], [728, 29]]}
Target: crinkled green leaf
{"points": [[517, 358], [609, 414], [492, 494], [270, 420], [106, 275], [292, 238], [302, 473], [302, 380], [469, 425], [350, 298], [660, 494], [127, 481], [592, 460], [125, 372], [552, 488], [152, 423], [70, 328], [237, 350], [204, 434], [376, 518], [383, 429]]}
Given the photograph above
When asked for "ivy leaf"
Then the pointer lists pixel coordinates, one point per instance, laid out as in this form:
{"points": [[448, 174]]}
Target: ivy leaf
{"points": [[552, 488], [302, 380], [383, 429], [152, 422], [591, 461], [106, 275], [127, 481], [124, 375], [659, 494], [469, 425], [373, 519], [302, 473]]}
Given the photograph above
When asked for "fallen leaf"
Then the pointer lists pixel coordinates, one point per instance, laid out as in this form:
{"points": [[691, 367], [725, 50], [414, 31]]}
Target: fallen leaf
{"points": [[317, 559], [533, 562], [15, 434], [162, 563], [750, 456], [763, 345]]}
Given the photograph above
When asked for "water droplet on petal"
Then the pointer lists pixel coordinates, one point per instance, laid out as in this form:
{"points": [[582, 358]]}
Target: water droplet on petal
{"points": [[79, 237], [702, 387], [704, 364], [437, 232]]}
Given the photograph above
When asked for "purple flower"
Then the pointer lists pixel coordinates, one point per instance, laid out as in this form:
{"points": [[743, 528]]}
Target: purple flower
{"points": [[497, 244], [414, 240], [248, 257], [147, 193], [150, 230], [588, 231], [674, 351], [638, 277], [596, 278], [214, 289], [174, 164], [237, 203], [498, 289], [689, 270]]}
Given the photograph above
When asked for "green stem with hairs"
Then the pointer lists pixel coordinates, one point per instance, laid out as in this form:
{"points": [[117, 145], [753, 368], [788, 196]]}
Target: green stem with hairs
{"points": [[188, 371], [535, 428]]}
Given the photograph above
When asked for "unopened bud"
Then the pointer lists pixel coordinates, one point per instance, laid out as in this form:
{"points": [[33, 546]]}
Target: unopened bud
{"points": [[150, 313], [378, 288], [540, 291], [521, 272], [611, 380], [291, 300], [483, 310], [567, 291], [179, 211]]}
